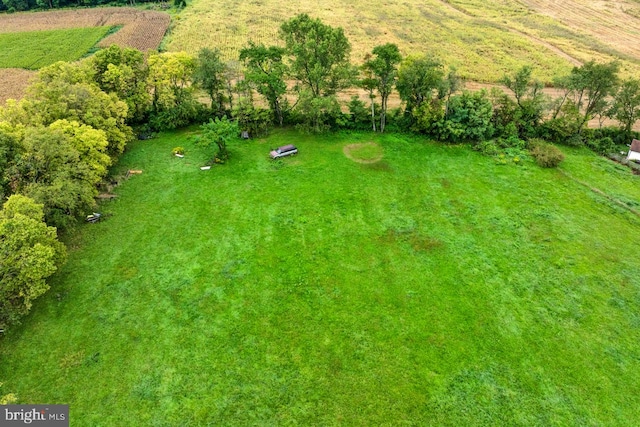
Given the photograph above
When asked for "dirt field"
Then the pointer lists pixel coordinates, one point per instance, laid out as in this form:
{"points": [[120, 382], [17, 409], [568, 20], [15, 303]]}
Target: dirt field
{"points": [[13, 82]]}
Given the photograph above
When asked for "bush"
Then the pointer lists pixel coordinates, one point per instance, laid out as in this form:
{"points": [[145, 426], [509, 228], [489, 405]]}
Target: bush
{"points": [[545, 154], [490, 148]]}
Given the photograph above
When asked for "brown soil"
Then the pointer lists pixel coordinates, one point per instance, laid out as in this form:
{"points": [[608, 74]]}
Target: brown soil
{"points": [[13, 83]]}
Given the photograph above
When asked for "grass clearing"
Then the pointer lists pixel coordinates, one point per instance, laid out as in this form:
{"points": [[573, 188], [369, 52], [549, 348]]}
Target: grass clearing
{"points": [[431, 288], [35, 49]]}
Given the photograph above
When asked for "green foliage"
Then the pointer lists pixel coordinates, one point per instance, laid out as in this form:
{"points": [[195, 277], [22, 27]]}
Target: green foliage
{"points": [[123, 71], [601, 145], [255, 121], [220, 132], [319, 114], [8, 147], [59, 166], [429, 118], [359, 114], [170, 76], [530, 101], [420, 79], [177, 150], [468, 118], [266, 70], [66, 92], [383, 69], [173, 102], [29, 253], [546, 155], [209, 75], [36, 49], [589, 86], [320, 55], [626, 105], [8, 399]]}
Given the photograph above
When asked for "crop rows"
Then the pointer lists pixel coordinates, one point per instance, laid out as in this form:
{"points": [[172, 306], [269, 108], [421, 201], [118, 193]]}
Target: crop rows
{"points": [[141, 29], [35, 49]]}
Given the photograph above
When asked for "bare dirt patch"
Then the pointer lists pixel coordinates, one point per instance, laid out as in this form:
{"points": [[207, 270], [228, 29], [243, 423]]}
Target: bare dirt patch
{"points": [[366, 153], [13, 83]]}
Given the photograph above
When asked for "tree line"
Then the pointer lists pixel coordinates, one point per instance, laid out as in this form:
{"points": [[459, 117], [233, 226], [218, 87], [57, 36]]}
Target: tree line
{"points": [[75, 120], [23, 5]]}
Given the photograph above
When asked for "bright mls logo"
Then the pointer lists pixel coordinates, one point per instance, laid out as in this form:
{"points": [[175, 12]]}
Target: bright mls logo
{"points": [[36, 415]]}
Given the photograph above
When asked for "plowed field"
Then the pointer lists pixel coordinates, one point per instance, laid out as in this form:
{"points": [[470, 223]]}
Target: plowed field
{"points": [[141, 29]]}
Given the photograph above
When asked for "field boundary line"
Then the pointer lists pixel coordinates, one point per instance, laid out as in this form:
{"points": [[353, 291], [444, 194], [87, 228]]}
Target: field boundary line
{"points": [[600, 193]]}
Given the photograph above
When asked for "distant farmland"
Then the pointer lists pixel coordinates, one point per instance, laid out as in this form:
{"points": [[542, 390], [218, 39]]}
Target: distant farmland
{"points": [[483, 40], [141, 29], [35, 49]]}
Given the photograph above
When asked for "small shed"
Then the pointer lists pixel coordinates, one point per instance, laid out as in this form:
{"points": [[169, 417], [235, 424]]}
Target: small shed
{"points": [[634, 150]]}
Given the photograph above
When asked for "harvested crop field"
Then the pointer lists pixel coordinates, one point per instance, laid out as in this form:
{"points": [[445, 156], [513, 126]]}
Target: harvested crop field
{"points": [[483, 40], [141, 29], [613, 23]]}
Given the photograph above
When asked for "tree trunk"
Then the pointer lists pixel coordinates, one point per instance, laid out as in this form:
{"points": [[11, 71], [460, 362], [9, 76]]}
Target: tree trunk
{"points": [[373, 115]]}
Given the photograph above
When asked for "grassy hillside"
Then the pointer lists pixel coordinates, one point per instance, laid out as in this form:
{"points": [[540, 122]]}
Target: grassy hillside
{"points": [[430, 287], [36, 49], [483, 40]]}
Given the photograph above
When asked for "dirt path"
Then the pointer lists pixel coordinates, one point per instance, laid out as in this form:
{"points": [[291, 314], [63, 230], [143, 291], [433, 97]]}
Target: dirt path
{"points": [[549, 46]]}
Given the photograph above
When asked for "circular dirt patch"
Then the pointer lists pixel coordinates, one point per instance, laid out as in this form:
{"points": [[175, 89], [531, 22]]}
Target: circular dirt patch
{"points": [[367, 152]]}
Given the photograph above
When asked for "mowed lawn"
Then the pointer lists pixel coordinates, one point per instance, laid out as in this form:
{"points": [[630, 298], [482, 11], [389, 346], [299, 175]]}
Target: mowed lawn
{"points": [[36, 49], [433, 287]]}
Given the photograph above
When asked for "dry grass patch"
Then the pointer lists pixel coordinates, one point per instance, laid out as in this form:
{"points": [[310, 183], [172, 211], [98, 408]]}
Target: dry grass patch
{"points": [[13, 83], [368, 152], [483, 40]]}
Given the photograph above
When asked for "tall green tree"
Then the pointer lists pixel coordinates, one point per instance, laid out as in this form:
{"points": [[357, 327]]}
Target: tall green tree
{"points": [[591, 85], [383, 67], [420, 79], [209, 75], [29, 254], [266, 69], [320, 55], [123, 71], [170, 81], [530, 100], [626, 104]]}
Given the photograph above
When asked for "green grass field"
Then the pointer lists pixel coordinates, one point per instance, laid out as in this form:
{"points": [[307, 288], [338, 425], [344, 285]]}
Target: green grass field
{"points": [[432, 287], [36, 49]]}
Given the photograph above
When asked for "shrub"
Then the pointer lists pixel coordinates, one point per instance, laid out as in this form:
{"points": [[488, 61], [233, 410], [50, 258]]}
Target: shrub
{"points": [[545, 154], [490, 148]]}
